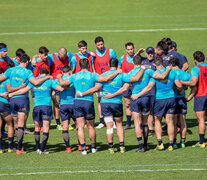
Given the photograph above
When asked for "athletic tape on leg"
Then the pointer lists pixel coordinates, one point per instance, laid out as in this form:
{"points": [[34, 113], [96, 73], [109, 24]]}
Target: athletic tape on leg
{"points": [[108, 119], [110, 131]]}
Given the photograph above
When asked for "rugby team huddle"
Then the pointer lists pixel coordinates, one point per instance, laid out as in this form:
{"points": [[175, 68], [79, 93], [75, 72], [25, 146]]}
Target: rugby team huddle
{"points": [[153, 86]]}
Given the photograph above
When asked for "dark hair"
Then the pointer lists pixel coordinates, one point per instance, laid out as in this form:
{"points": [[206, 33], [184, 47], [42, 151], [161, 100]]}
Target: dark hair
{"points": [[82, 44], [99, 39], [43, 50], [113, 62], [84, 63], [20, 52], [163, 46], [199, 56], [129, 44], [9, 66], [137, 60], [167, 41], [44, 71], [2, 45], [158, 60], [174, 62], [66, 69], [24, 58]]}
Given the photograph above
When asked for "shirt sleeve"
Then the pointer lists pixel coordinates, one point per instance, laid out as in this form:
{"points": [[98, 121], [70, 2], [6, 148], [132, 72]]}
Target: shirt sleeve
{"points": [[50, 60], [30, 85], [96, 76], [72, 78], [195, 71], [120, 61], [70, 55], [182, 59], [126, 77], [92, 60], [73, 62], [112, 54], [30, 75], [54, 84], [8, 72], [150, 72], [152, 80]]}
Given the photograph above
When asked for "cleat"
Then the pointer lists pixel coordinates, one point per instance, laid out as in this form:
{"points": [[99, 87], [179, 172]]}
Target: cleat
{"points": [[84, 152], [111, 150], [19, 152], [127, 127], [151, 134], [170, 148], [122, 149], [27, 131], [44, 152], [68, 150], [70, 128], [80, 148], [141, 150], [94, 150], [59, 127], [159, 147], [38, 151], [12, 150], [101, 125], [24, 150], [182, 145], [175, 146], [145, 148], [1, 151], [198, 145]]}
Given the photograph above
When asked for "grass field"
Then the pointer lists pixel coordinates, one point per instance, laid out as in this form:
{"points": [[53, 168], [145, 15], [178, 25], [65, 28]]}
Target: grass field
{"points": [[54, 24]]}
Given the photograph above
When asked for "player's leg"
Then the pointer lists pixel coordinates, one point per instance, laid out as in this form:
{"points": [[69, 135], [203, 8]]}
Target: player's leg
{"points": [[101, 118], [170, 129], [127, 100], [38, 125], [109, 131], [56, 108], [80, 123], [183, 129], [1, 144], [45, 136]]}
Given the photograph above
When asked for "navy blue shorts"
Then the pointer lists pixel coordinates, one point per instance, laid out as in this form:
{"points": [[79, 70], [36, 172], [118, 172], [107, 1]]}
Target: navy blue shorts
{"points": [[42, 113], [4, 109], [141, 105], [128, 92], [181, 105], [164, 106], [66, 111], [19, 104], [152, 102], [84, 108], [32, 93], [200, 103], [57, 93], [111, 109]]}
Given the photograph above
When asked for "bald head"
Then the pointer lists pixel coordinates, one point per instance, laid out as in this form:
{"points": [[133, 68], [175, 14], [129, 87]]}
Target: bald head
{"points": [[62, 53]]}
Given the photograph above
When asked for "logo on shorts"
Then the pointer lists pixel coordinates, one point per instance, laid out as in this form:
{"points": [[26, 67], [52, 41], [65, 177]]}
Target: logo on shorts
{"points": [[22, 109], [172, 111], [89, 115], [4, 113], [46, 117], [184, 110]]}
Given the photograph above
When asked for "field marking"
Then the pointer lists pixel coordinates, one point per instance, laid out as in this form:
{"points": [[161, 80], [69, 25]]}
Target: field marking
{"points": [[105, 31], [112, 166], [101, 171]]}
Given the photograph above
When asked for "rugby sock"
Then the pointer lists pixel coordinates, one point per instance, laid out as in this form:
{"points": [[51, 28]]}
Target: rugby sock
{"points": [[121, 144], [182, 140], [16, 132], [159, 141], [58, 121], [141, 145], [66, 138], [174, 141], [83, 147], [128, 120], [110, 145], [44, 141], [102, 120], [1, 146], [170, 143], [151, 131], [20, 136], [37, 139], [93, 145], [145, 134], [202, 139], [10, 142]]}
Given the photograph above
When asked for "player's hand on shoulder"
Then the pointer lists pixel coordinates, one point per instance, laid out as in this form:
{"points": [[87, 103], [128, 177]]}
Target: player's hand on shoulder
{"points": [[169, 67], [23, 85], [5, 95], [78, 94], [59, 76], [107, 95], [119, 71], [134, 97], [92, 54]]}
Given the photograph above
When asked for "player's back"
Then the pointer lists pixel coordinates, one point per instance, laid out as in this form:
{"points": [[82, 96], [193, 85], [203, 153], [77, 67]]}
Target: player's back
{"points": [[3, 89]]}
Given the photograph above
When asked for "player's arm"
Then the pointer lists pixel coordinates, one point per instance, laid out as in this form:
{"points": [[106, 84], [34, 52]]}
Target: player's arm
{"points": [[162, 75], [63, 82], [139, 52], [185, 66], [2, 77], [33, 61], [117, 93], [59, 88], [93, 68], [192, 93], [139, 75], [179, 86], [19, 92], [39, 81], [192, 82], [11, 89], [146, 90], [109, 76], [89, 91], [4, 95]]}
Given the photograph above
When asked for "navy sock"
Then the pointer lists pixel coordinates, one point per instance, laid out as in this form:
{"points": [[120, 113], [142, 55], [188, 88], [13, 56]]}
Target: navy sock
{"points": [[83, 146], [174, 141], [44, 141], [1, 146], [66, 138], [145, 134], [20, 136], [121, 144], [102, 120], [10, 142], [110, 145], [159, 141], [202, 138], [93, 145], [58, 121], [128, 120], [37, 139], [141, 145]]}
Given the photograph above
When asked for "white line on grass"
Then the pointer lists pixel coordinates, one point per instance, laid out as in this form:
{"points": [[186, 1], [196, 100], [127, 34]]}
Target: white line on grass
{"points": [[101, 171], [105, 31]]}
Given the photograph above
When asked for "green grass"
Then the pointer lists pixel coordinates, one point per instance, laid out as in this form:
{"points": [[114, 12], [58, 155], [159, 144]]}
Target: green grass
{"points": [[51, 15]]}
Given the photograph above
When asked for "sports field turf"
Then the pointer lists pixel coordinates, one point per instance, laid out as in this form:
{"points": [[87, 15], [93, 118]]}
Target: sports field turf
{"points": [[54, 24]]}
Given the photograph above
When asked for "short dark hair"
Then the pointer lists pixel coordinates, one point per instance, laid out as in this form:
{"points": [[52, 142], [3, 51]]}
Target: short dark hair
{"points": [[24, 58], [9, 66], [113, 62], [167, 41], [174, 62], [20, 52], [199, 56], [44, 71], [137, 60], [158, 60], [43, 50], [163, 46], [2, 45], [99, 39], [66, 69], [129, 44], [82, 44], [84, 63]]}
